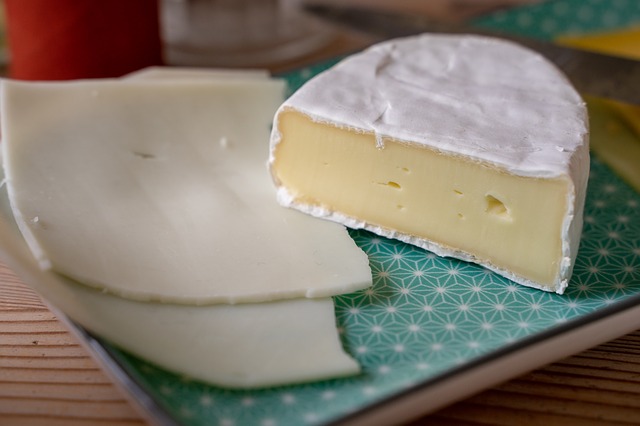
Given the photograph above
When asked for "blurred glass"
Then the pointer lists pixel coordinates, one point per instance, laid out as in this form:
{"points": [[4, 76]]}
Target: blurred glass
{"points": [[238, 32]]}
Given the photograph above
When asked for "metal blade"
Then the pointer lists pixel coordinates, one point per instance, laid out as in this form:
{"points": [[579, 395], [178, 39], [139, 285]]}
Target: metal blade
{"points": [[591, 73]]}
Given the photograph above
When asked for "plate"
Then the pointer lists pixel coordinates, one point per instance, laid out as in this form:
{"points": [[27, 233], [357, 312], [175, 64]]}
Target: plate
{"points": [[438, 327], [431, 330]]}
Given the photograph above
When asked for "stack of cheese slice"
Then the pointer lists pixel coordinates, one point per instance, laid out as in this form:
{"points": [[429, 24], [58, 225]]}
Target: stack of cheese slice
{"points": [[152, 192], [468, 146]]}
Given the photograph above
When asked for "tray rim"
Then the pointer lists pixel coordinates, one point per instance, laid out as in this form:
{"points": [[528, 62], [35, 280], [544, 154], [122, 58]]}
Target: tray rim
{"points": [[536, 350]]}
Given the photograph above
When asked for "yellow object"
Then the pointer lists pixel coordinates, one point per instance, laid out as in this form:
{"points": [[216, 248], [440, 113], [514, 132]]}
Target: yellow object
{"points": [[615, 126], [614, 141], [620, 43]]}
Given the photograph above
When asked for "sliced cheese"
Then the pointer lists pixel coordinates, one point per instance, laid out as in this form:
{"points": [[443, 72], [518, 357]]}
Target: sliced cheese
{"points": [[157, 190], [182, 73], [468, 146], [239, 346]]}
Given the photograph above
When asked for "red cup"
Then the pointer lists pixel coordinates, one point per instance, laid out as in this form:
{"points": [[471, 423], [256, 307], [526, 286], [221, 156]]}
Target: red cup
{"points": [[72, 39]]}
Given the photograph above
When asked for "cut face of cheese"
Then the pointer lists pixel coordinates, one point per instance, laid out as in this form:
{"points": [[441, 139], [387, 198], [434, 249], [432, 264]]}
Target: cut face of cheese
{"points": [[510, 221], [158, 190], [467, 146]]}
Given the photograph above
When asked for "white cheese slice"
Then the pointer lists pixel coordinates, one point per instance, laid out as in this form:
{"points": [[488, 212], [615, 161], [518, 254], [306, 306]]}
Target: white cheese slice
{"points": [[158, 190], [182, 73], [239, 346], [468, 146]]}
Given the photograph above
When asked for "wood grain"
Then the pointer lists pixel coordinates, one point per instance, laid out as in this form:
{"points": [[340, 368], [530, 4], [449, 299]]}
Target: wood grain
{"points": [[47, 378]]}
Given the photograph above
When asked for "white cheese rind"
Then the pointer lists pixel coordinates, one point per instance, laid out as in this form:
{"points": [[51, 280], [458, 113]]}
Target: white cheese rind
{"points": [[487, 100], [483, 98], [158, 191]]}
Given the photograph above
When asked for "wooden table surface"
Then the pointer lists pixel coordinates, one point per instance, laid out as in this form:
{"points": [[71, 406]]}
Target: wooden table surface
{"points": [[48, 378]]}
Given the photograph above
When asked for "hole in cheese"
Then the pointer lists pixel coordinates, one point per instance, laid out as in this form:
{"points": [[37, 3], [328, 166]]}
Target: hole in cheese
{"points": [[144, 155], [392, 184], [496, 207]]}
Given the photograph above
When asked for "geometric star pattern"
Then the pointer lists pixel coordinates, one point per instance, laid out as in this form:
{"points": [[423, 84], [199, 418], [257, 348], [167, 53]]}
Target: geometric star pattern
{"points": [[426, 315], [565, 17]]}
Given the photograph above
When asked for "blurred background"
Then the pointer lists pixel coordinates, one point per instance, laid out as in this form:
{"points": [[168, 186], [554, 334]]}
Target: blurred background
{"points": [[61, 39]]}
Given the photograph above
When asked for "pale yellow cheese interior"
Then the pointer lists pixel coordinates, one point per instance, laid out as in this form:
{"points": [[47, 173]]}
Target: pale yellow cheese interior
{"points": [[510, 222]]}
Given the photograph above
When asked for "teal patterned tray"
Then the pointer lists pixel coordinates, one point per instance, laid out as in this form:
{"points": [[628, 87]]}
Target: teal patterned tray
{"points": [[427, 319], [427, 316]]}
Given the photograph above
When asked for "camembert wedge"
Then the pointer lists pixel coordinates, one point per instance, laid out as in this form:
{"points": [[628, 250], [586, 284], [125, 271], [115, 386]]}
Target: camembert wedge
{"points": [[468, 146]]}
